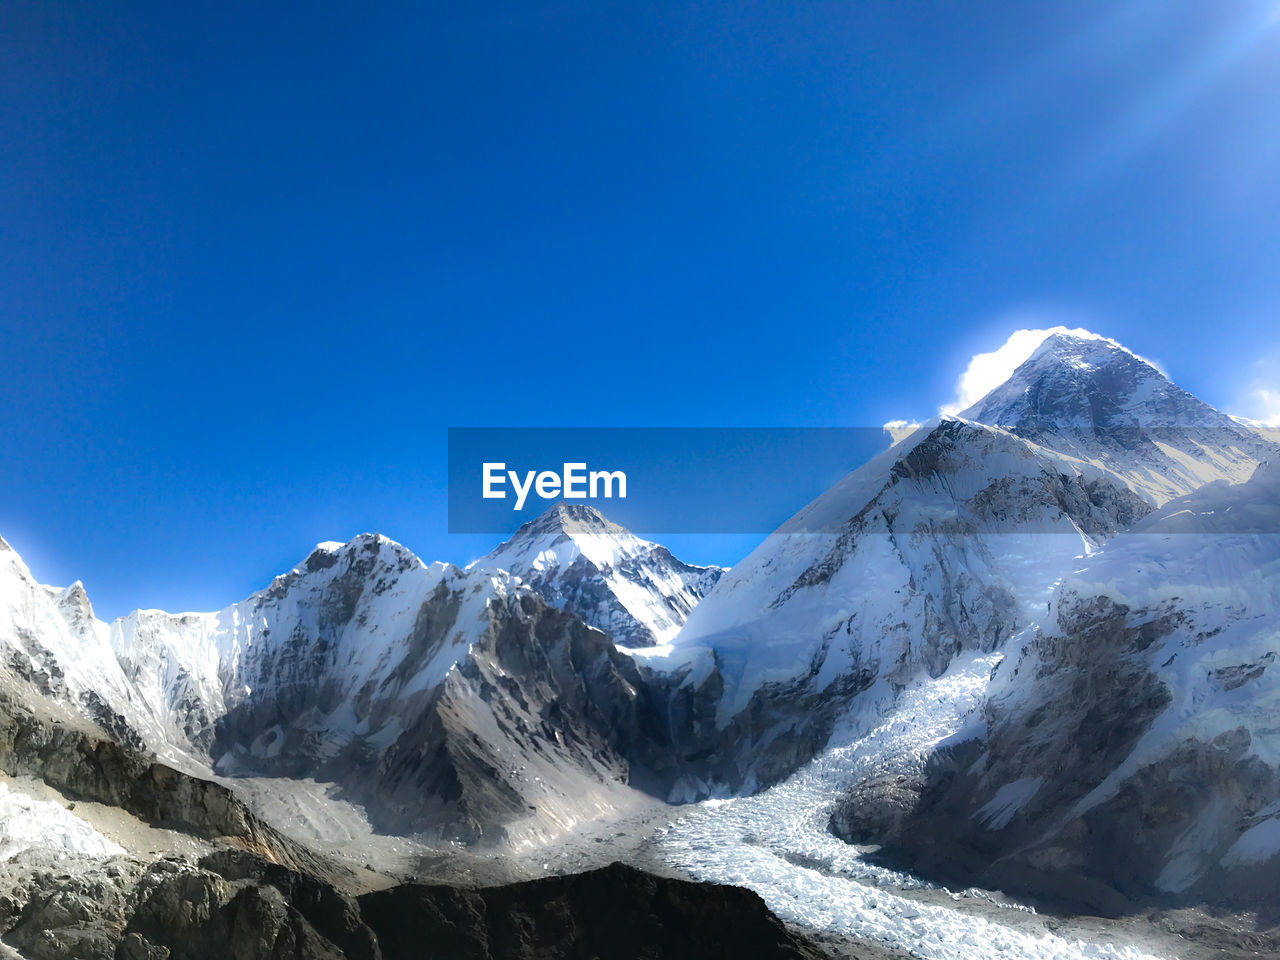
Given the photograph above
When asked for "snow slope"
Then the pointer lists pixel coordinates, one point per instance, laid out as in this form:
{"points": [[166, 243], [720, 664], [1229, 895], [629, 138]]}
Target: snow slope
{"points": [[1127, 751], [1168, 637], [29, 824], [339, 626], [442, 700], [962, 533], [1092, 399], [334, 630]]}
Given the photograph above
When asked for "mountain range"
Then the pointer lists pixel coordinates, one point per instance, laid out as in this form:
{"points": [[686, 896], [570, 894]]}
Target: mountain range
{"points": [[1089, 547]]}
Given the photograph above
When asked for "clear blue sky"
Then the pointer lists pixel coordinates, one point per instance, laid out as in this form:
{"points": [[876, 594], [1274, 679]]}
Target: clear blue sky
{"points": [[255, 258]]}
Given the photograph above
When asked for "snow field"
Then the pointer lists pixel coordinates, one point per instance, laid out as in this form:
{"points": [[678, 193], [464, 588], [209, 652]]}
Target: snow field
{"points": [[30, 824]]}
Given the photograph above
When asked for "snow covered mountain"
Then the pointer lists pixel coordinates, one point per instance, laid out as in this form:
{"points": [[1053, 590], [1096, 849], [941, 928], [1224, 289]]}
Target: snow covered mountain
{"points": [[1128, 747], [447, 701], [327, 635], [953, 540], [633, 590]]}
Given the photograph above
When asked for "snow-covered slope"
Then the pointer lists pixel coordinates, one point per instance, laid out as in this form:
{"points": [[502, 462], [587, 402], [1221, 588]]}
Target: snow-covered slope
{"points": [[1131, 747], [332, 631], [336, 630], [633, 590], [28, 824], [952, 540]]}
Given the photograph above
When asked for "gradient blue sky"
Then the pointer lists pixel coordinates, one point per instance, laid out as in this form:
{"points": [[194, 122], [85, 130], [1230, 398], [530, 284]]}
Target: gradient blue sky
{"points": [[255, 258]]}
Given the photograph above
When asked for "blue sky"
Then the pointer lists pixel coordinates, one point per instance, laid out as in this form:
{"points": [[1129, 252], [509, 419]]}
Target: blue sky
{"points": [[256, 258]]}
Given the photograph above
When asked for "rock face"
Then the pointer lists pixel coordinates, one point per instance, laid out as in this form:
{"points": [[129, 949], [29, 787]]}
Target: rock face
{"points": [[633, 590], [1131, 751], [526, 735], [191, 914]]}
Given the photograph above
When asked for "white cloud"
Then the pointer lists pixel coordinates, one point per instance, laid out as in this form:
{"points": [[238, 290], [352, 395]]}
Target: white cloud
{"points": [[1261, 404], [1258, 398], [1267, 405], [900, 429], [986, 371]]}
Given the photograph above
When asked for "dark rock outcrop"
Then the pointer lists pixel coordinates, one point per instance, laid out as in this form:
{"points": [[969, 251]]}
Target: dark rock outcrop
{"points": [[615, 912]]}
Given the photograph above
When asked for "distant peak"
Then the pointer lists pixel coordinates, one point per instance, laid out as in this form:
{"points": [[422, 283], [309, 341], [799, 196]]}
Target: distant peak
{"points": [[986, 371]]}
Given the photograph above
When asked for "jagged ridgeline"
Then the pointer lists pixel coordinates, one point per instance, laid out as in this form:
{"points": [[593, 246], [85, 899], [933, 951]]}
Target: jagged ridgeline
{"points": [[1100, 538]]}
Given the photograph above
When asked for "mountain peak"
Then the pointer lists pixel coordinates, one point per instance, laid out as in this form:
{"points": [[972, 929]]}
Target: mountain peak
{"points": [[361, 541], [1084, 351], [630, 588], [570, 519], [74, 603], [364, 550]]}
